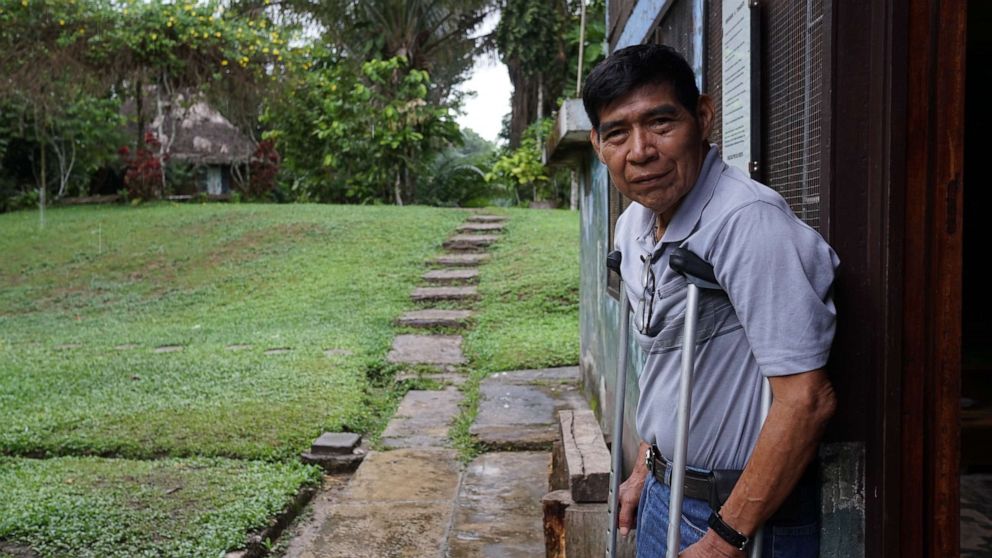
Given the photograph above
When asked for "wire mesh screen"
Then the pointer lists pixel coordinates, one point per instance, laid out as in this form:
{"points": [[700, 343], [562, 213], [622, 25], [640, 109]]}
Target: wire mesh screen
{"points": [[714, 65], [794, 103], [675, 29]]}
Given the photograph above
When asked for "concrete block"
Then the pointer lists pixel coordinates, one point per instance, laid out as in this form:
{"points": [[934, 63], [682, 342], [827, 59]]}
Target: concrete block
{"points": [[587, 460], [335, 443]]}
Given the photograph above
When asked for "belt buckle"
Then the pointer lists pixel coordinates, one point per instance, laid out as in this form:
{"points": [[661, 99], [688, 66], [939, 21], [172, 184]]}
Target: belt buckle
{"points": [[648, 462]]}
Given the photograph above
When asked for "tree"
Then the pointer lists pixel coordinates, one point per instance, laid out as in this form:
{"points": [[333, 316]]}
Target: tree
{"points": [[358, 136], [49, 63], [432, 35], [530, 41], [521, 169]]}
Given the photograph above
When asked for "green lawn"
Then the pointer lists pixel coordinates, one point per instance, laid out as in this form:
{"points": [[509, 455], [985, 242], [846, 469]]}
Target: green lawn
{"points": [[121, 281], [529, 313], [87, 506], [190, 450]]}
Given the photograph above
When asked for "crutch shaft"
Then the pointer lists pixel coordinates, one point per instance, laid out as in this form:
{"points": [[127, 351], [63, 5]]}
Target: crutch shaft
{"points": [[619, 397], [682, 421]]}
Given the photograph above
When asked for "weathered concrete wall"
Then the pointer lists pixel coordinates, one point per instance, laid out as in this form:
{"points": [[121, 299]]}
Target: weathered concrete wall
{"points": [[599, 314]]}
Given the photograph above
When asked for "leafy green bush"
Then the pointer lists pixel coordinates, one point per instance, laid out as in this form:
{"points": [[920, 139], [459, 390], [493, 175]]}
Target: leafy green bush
{"points": [[360, 134]]}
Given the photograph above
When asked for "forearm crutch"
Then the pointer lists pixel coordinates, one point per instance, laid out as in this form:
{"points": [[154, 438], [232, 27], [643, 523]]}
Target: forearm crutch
{"points": [[698, 274], [613, 261]]}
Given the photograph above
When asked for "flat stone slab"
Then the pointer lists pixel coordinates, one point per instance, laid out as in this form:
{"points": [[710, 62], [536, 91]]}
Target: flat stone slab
{"points": [[331, 353], [429, 294], [399, 503], [423, 419], [470, 241], [278, 350], [463, 260], [435, 318], [481, 227], [561, 374], [240, 347], [396, 530], [444, 378], [169, 349], [405, 475], [519, 410], [487, 219], [451, 276], [498, 511], [427, 349], [335, 443]]}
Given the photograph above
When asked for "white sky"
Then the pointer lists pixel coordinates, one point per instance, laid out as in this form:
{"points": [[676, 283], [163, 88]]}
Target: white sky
{"points": [[491, 82]]}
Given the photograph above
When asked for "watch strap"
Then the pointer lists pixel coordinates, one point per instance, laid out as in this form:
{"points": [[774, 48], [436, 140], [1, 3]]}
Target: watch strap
{"points": [[726, 532]]}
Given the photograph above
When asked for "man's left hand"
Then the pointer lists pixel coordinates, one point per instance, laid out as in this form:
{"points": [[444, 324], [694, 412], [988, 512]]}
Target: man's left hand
{"points": [[712, 546]]}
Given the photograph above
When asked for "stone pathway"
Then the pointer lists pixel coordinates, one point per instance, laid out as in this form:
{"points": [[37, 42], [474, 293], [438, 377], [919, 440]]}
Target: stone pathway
{"points": [[415, 498]]}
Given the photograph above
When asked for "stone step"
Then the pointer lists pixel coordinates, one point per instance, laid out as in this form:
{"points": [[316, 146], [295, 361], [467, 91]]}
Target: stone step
{"points": [[399, 503], [487, 219], [423, 420], [481, 227], [519, 410], [427, 349], [470, 242], [498, 511], [435, 318], [451, 276], [431, 294], [460, 260]]}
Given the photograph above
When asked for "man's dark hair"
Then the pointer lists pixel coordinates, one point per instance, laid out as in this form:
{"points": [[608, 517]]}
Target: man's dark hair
{"points": [[634, 67]]}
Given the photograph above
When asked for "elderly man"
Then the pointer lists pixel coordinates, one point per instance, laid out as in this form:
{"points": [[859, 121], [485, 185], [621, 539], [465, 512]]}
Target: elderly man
{"points": [[774, 319]]}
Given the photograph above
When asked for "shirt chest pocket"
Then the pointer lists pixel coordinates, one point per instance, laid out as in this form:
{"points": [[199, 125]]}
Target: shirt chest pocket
{"points": [[716, 316]]}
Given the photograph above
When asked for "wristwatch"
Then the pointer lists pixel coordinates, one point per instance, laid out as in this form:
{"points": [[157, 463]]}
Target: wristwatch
{"points": [[726, 532]]}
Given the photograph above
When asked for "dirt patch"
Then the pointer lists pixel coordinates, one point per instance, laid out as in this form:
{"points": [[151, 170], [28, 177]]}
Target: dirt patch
{"points": [[249, 245], [10, 549]]}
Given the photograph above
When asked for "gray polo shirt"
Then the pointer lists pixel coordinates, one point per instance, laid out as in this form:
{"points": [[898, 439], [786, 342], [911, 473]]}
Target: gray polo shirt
{"points": [[776, 316]]}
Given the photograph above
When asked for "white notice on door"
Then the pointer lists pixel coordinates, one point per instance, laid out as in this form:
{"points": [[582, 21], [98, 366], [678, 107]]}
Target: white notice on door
{"points": [[737, 83]]}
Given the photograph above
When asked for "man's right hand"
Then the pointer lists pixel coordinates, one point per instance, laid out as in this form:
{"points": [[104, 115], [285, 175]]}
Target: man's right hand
{"points": [[630, 493]]}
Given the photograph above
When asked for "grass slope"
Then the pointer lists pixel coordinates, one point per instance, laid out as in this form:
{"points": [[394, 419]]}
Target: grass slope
{"points": [[529, 313], [119, 282]]}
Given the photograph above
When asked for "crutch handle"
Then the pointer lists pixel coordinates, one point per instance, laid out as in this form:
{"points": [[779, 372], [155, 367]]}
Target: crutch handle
{"points": [[686, 263], [613, 260]]}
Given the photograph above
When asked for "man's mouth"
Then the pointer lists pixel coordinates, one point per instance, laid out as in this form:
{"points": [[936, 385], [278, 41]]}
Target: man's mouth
{"points": [[648, 178]]}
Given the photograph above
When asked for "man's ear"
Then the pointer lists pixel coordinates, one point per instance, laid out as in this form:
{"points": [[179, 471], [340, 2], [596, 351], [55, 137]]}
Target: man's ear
{"points": [[705, 115], [594, 140]]}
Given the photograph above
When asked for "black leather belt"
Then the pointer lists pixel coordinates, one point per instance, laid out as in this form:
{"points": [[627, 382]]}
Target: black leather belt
{"points": [[713, 487]]}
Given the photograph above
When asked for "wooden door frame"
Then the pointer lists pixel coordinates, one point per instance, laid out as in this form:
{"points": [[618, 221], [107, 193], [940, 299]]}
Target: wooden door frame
{"points": [[895, 162], [933, 262]]}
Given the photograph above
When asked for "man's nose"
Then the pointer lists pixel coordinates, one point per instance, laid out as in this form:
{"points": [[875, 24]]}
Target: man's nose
{"points": [[642, 149]]}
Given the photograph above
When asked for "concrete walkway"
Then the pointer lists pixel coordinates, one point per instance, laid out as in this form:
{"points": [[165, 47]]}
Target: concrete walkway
{"points": [[415, 498]]}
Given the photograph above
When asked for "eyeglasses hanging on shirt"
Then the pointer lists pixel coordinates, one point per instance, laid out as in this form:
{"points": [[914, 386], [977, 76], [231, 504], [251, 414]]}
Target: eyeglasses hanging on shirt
{"points": [[645, 307]]}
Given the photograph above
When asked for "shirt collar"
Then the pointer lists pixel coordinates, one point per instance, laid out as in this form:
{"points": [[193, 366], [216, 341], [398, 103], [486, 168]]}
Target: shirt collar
{"points": [[687, 215]]}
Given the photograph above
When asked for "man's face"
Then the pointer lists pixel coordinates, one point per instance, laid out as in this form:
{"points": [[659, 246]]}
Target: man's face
{"points": [[652, 145]]}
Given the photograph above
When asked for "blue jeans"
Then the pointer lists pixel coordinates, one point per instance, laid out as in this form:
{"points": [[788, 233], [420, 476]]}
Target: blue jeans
{"points": [[799, 537]]}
